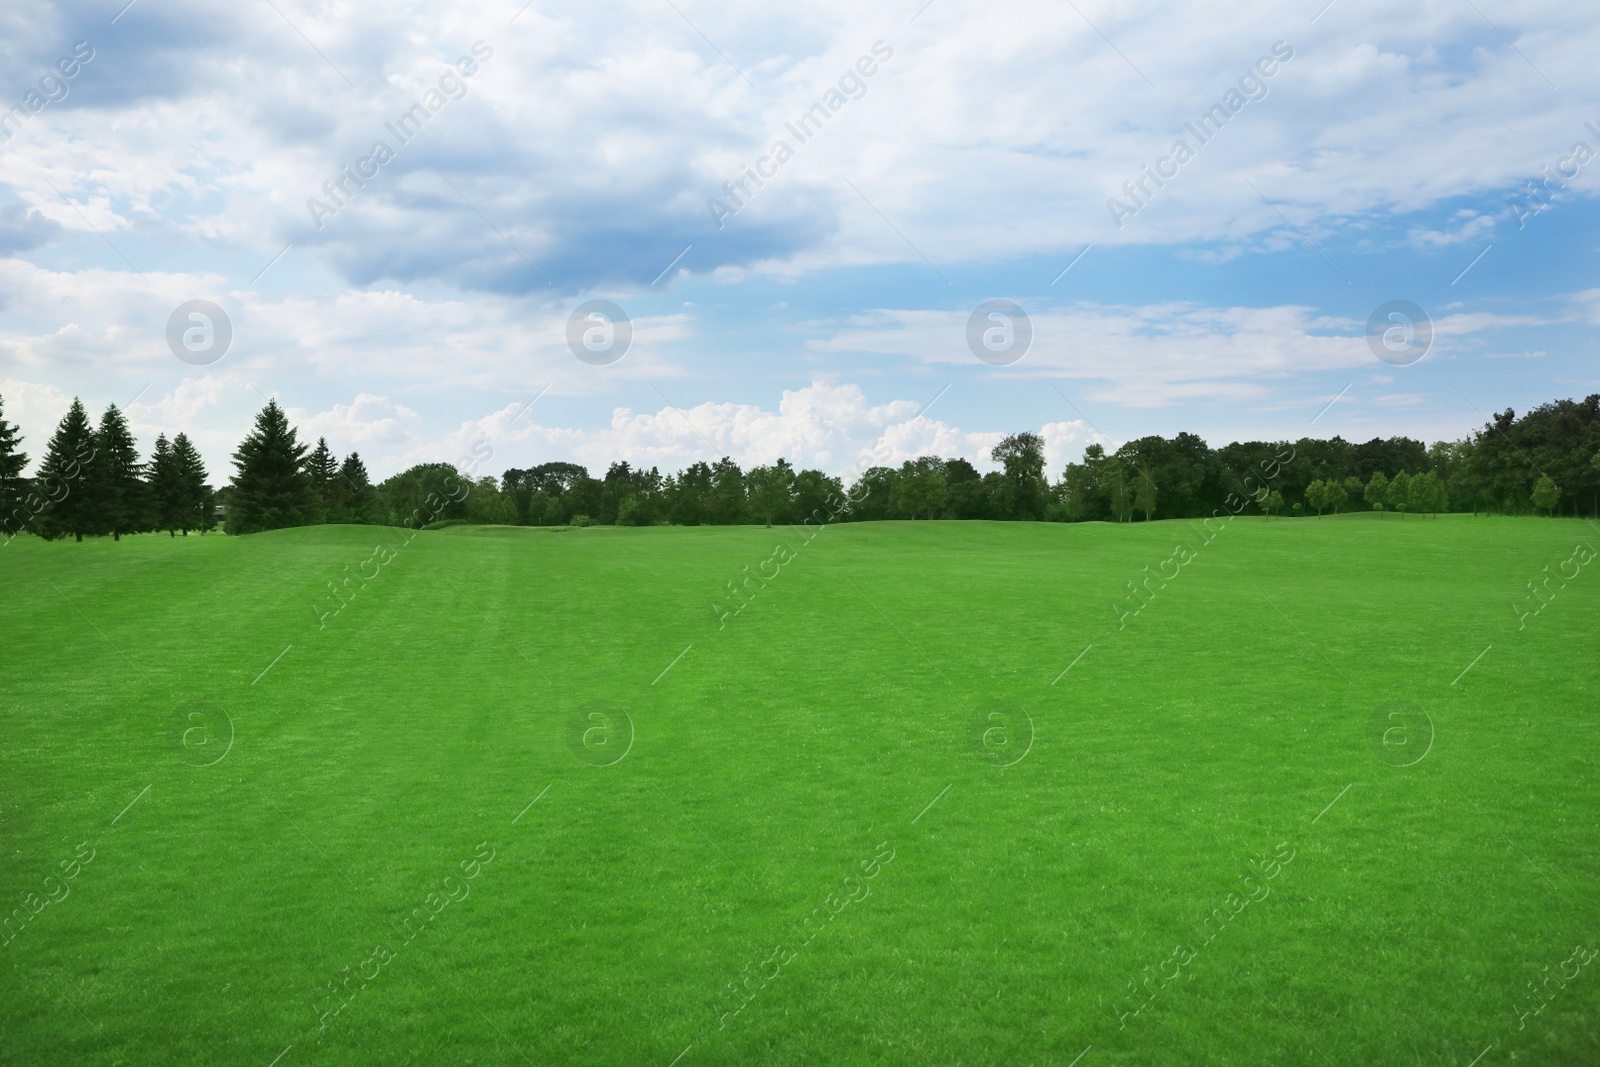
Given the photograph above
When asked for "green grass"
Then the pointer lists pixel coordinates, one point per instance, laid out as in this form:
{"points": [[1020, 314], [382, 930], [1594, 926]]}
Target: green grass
{"points": [[769, 763]]}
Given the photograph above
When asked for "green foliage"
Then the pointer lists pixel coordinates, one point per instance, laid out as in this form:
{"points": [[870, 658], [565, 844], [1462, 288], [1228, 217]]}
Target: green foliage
{"points": [[113, 482], [920, 488], [196, 505], [163, 489], [271, 489], [1024, 490], [63, 479], [1377, 491], [425, 494], [14, 512], [322, 469], [1317, 496], [1144, 494], [769, 489], [354, 499], [1546, 494]]}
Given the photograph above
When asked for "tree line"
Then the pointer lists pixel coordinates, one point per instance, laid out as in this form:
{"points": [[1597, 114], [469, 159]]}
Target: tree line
{"points": [[92, 482]]}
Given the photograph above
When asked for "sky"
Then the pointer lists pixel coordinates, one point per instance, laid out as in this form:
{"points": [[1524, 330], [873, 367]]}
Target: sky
{"points": [[503, 233]]}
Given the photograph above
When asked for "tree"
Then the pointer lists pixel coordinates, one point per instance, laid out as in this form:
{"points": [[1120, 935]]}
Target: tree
{"points": [[1022, 456], [1546, 494], [164, 489], [430, 492], [13, 515], [357, 500], [1377, 491], [1335, 495], [63, 478], [1427, 494], [727, 492], [920, 487], [1114, 478], [1353, 489], [1399, 495], [270, 488], [195, 509], [1144, 495], [1317, 496], [114, 487], [1274, 502], [322, 468], [769, 489]]}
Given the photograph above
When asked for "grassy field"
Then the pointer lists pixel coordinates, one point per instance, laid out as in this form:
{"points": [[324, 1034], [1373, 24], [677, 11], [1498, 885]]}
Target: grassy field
{"points": [[1326, 798]]}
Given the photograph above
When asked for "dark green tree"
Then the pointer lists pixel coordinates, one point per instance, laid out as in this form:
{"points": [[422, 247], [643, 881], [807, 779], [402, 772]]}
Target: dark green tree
{"points": [[1022, 456], [769, 489], [64, 477], [195, 507], [270, 487], [14, 515], [920, 487], [727, 492], [116, 489], [1546, 494], [163, 492], [357, 500], [322, 467]]}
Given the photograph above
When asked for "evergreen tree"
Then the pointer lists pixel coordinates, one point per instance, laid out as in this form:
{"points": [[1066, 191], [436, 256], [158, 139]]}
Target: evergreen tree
{"points": [[193, 509], [115, 489], [63, 478], [270, 488], [357, 500], [13, 515], [323, 470], [163, 491]]}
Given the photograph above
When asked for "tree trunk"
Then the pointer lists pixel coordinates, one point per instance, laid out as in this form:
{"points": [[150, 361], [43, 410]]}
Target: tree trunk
{"points": [[80, 538]]}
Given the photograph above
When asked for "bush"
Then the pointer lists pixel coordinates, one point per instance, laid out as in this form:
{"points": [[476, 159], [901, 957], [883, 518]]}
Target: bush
{"points": [[583, 520]]}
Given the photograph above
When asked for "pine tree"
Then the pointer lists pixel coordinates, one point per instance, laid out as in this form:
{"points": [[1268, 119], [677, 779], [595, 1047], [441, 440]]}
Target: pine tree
{"points": [[270, 489], [323, 469], [63, 478], [193, 508], [357, 500], [13, 515], [163, 490], [116, 493]]}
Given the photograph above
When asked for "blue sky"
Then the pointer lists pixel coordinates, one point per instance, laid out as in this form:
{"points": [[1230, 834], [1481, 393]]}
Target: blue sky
{"points": [[570, 152]]}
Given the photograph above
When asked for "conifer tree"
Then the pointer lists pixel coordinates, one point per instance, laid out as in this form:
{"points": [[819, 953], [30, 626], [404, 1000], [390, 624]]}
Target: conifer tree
{"points": [[357, 500], [322, 467], [13, 514], [115, 490], [63, 478], [270, 487], [163, 491], [195, 509]]}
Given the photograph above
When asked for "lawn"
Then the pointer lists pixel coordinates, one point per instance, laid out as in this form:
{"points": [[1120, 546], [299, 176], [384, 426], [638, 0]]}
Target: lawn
{"points": [[930, 797]]}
